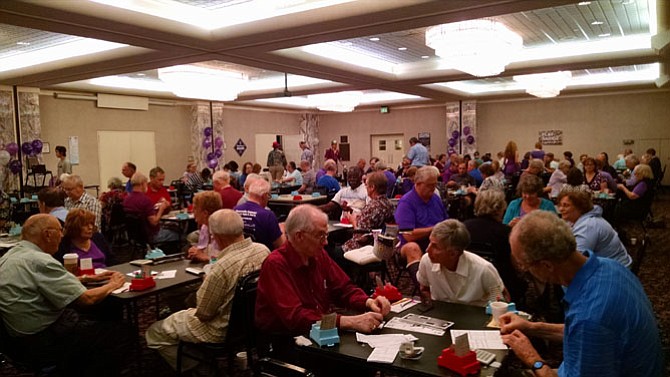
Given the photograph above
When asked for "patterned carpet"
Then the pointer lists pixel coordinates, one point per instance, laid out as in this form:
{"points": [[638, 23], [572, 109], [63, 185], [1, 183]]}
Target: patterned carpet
{"points": [[653, 274]]}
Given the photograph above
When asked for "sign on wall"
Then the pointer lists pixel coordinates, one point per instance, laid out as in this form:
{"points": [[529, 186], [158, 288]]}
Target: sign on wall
{"points": [[424, 138], [551, 137], [240, 147]]}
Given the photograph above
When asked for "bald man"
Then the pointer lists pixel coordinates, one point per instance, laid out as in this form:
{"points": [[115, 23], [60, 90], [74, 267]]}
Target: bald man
{"points": [[37, 300]]}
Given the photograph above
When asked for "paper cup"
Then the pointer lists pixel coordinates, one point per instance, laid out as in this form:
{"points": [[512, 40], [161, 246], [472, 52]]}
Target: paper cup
{"points": [[71, 262], [498, 308], [241, 360]]}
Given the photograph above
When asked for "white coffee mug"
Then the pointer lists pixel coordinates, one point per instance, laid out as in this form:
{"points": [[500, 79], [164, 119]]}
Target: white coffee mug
{"points": [[71, 262]]}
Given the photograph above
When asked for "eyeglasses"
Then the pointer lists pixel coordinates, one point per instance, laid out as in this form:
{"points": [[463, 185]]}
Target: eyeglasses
{"points": [[322, 236]]}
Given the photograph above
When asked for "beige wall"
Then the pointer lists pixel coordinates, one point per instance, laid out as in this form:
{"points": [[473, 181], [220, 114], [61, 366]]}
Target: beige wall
{"points": [[62, 118], [360, 125]]}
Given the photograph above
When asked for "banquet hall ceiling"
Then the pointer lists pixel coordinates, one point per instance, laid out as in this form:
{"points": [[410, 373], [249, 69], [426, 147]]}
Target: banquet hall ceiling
{"points": [[133, 38]]}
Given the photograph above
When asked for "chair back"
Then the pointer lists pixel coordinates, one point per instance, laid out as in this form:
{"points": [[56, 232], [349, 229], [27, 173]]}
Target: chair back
{"points": [[484, 250], [137, 230], [241, 328]]}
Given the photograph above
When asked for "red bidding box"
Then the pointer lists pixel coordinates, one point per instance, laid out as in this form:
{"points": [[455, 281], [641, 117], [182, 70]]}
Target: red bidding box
{"points": [[142, 284], [390, 292], [463, 365]]}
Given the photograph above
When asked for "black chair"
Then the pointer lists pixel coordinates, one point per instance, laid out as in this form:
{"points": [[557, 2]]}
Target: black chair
{"points": [[484, 250], [640, 253], [240, 330], [10, 359], [114, 229]]}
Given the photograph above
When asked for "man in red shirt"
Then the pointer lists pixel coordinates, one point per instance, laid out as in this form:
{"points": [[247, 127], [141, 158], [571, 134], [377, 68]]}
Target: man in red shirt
{"points": [[155, 190], [229, 195]]}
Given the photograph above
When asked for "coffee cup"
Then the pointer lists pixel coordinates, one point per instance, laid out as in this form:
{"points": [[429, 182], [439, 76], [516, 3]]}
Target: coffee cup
{"points": [[241, 360], [498, 308], [71, 263]]}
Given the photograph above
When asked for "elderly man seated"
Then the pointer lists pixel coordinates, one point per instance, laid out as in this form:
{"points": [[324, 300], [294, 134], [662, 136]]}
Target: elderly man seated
{"points": [[51, 200], [208, 321], [610, 328], [308, 178], [156, 190], [137, 203], [449, 273], [38, 298], [418, 211], [260, 222], [77, 197], [299, 283], [351, 198], [229, 194], [328, 181]]}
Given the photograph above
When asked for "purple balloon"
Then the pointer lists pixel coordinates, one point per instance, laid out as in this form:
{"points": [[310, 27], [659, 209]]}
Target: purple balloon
{"points": [[12, 148], [207, 142], [15, 166], [455, 134], [37, 146], [452, 142], [211, 156], [451, 151], [212, 163], [218, 153], [470, 139], [27, 148], [218, 142], [208, 131], [466, 130]]}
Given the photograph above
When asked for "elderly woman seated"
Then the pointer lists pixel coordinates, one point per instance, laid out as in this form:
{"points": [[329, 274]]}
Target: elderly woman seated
{"points": [[558, 179], [530, 189], [591, 231], [592, 176], [82, 238], [636, 201]]}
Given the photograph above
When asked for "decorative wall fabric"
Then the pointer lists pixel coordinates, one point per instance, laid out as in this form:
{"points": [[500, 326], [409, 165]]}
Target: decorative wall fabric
{"points": [[453, 128], [462, 127], [203, 145], [8, 181], [309, 130]]}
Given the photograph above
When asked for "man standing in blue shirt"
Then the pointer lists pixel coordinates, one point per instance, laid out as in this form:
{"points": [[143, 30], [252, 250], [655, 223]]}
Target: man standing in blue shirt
{"points": [[609, 329], [418, 154]]}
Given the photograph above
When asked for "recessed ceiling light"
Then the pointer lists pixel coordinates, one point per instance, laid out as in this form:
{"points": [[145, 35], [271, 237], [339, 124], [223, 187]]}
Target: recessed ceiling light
{"points": [[597, 23], [374, 39], [141, 74], [23, 43], [425, 57], [604, 35], [402, 48], [584, 3]]}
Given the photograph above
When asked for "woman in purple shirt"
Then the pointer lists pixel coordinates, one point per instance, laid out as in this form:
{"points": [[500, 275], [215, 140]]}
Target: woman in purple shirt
{"points": [[82, 238], [636, 202]]}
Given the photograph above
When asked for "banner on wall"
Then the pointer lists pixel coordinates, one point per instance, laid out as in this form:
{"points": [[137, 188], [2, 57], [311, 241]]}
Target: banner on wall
{"points": [[551, 137], [73, 150], [453, 127], [424, 138], [468, 127]]}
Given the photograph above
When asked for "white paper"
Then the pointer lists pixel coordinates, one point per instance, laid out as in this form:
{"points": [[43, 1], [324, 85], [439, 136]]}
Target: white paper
{"points": [[402, 305], [124, 288], [98, 271], [385, 340], [167, 274], [384, 355], [485, 339]]}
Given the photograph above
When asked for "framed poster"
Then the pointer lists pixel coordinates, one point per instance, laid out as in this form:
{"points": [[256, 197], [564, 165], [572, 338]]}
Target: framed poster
{"points": [[46, 148], [551, 137]]}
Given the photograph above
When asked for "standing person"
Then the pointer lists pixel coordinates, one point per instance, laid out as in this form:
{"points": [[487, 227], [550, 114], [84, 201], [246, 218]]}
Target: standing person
{"points": [[537, 152], [510, 161], [333, 153], [306, 154], [64, 165], [418, 154], [610, 328], [128, 169], [276, 162], [38, 297]]}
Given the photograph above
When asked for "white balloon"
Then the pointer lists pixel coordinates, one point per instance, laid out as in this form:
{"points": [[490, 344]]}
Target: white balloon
{"points": [[4, 157]]}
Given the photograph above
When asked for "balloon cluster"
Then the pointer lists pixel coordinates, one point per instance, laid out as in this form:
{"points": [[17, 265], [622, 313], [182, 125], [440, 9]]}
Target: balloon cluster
{"points": [[8, 155], [466, 137], [212, 157]]}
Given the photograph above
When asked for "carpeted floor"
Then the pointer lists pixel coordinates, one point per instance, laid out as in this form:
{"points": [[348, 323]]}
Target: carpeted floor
{"points": [[653, 274]]}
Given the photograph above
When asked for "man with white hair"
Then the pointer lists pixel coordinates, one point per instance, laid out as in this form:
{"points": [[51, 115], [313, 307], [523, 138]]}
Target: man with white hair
{"points": [[299, 283], [260, 222], [77, 197], [247, 183], [208, 321], [449, 273], [229, 195], [308, 178]]}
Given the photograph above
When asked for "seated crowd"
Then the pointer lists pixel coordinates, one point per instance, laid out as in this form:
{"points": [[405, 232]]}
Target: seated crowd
{"points": [[523, 228]]}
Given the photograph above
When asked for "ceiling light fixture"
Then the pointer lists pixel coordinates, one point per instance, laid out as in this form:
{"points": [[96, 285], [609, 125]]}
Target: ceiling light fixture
{"points": [[402, 48], [374, 39], [544, 85], [192, 81], [478, 47], [342, 102]]}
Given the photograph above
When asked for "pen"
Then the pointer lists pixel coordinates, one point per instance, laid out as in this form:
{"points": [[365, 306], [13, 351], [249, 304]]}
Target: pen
{"points": [[407, 303]]}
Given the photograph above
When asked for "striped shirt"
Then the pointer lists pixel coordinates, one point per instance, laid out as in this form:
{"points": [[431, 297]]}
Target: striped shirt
{"points": [[87, 202], [215, 296]]}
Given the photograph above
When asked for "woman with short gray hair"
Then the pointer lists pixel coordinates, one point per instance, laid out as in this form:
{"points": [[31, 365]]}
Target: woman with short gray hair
{"points": [[530, 188]]}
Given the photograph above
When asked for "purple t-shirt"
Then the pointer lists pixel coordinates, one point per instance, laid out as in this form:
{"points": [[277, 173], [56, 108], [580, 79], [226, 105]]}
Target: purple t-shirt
{"points": [[537, 153], [390, 185], [138, 204], [413, 212], [260, 222], [640, 188], [93, 252]]}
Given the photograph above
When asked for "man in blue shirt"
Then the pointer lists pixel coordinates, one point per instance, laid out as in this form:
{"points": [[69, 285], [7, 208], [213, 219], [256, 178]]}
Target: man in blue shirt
{"points": [[610, 328], [418, 154], [418, 211]]}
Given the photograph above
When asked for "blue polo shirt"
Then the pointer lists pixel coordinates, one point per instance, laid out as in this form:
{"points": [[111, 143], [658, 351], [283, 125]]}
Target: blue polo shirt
{"points": [[610, 328], [413, 212]]}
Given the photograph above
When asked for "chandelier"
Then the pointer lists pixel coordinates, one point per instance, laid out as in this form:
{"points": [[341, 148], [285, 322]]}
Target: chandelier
{"points": [[478, 47], [544, 85], [193, 81], [341, 101]]}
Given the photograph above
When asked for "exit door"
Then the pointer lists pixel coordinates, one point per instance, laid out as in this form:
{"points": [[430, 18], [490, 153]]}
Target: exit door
{"points": [[388, 148]]}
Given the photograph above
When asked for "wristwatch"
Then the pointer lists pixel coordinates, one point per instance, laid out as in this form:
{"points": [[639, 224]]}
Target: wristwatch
{"points": [[537, 365]]}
